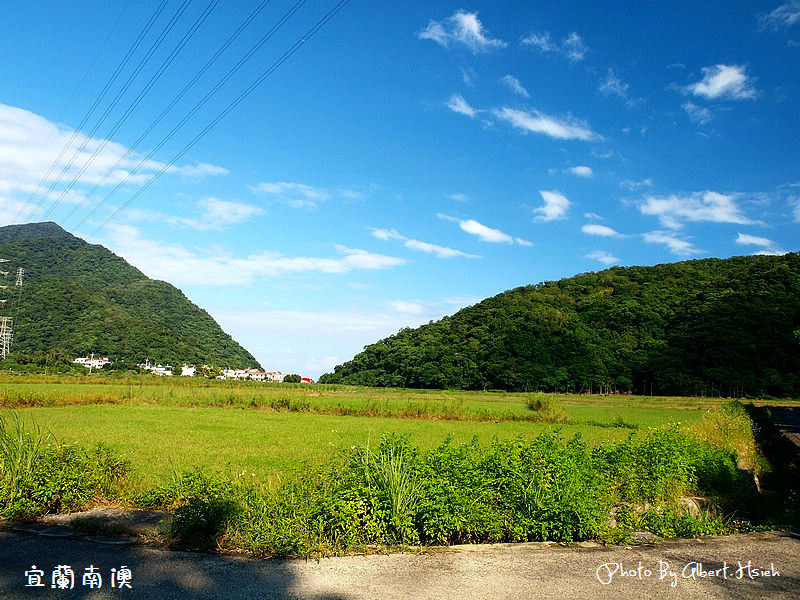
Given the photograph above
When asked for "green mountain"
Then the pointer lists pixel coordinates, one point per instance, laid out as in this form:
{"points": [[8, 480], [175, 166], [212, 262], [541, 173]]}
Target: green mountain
{"points": [[79, 298], [716, 327]]}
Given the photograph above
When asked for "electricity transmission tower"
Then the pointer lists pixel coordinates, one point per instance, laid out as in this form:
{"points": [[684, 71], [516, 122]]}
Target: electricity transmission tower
{"points": [[7, 322]]}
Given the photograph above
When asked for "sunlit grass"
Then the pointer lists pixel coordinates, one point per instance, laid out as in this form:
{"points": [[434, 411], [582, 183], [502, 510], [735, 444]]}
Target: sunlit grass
{"points": [[165, 426]]}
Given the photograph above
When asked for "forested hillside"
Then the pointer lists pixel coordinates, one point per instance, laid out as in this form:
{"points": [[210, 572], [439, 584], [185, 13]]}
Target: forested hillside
{"points": [[729, 327], [79, 298]]}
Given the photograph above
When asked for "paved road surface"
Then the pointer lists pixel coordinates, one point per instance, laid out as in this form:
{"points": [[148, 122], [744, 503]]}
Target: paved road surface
{"points": [[500, 571]]}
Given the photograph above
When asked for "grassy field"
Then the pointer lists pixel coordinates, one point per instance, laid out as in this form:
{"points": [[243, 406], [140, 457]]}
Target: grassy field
{"points": [[165, 426], [299, 470]]}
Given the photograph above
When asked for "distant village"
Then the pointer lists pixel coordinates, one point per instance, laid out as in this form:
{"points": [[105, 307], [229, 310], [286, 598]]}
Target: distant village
{"points": [[93, 362]]}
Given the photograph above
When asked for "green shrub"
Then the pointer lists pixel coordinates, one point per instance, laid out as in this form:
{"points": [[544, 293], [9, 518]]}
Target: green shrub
{"points": [[547, 409], [200, 523], [40, 475]]}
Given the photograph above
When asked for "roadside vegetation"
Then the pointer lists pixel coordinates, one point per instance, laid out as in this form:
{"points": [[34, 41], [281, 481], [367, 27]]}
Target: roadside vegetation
{"points": [[584, 468]]}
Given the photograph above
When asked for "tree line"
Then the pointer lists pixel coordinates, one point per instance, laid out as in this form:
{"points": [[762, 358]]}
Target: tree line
{"points": [[727, 327]]}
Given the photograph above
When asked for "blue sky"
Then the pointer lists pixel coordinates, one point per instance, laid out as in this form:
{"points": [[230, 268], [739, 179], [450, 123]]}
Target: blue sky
{"points": [[409, 159]]}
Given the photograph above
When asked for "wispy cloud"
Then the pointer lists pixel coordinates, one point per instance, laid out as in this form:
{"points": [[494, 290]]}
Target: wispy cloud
{"points": [[458, 197], [601, 230], [537, 122], [712, 207], [513, 84], [603, 257], [462, 28], [485, 233], [794, 202], [699, 114], [767, 246], [219, 214], [612, 85], [675, 244], [571, 46], [37, 155], [199, 170], [782, 17], [408, 308], [724, 81], [301, 195], [555, 207], [185, 266], [412, 244], [632, 185], [457, 104], [582, 171]]}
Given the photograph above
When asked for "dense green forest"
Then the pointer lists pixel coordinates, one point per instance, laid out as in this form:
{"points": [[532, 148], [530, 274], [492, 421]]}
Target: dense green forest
{"points": [[714, 327], [78, 298]]}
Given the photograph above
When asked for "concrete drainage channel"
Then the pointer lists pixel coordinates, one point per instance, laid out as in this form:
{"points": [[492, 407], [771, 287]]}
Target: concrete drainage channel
{"points": [[105, 525]]}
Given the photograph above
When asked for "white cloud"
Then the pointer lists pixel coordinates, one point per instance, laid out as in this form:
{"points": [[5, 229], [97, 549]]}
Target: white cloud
{"points": [[183, 266], [582, 171], [386, 234], [462, 28], [572, 46], [37, 155], [411, 244], [603, 257], [439, 251], [723, 81], [554, 209], [523, 243], [631, 185], [457, 104], [301, 195], [458, 197], [219, 214], [768, 247], [199, 170], [752, 240], [698, 114], [601, 230], [514, 85], [785, 15], [296, 195], [537, 122], [408, 308], [612, 85], [794, 202], [675, 244], [708, 206], [484, 233]]}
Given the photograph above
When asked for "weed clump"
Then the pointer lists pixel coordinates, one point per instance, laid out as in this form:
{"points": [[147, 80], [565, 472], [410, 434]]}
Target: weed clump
{"points": [[41, 475], [546, 409]]}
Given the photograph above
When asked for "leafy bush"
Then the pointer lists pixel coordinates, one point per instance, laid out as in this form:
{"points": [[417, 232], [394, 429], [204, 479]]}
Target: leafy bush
{"points": [[39, 475], [547, 409]]}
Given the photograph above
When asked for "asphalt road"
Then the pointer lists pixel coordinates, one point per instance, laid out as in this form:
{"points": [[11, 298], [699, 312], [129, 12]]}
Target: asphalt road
{"points": [[708, 568]]}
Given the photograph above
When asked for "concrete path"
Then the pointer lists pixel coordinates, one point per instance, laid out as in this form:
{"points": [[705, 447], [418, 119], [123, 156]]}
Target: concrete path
{"points": [[743, 566]]}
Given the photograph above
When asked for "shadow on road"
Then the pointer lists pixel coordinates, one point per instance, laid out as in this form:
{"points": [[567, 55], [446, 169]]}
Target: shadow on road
{"points": [[156, 574]]}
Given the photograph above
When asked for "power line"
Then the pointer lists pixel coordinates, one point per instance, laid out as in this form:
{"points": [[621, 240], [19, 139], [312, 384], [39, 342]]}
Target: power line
{"points": [[174, 101], [235, 69], [138, 69], [78, 87], [123, 63], [275, 65], [153, 80]]}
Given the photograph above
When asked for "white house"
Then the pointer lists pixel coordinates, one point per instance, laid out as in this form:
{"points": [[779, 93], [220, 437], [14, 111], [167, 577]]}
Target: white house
{"points": [[187, 371], [92, 362], [162, 370]]}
